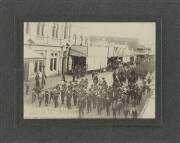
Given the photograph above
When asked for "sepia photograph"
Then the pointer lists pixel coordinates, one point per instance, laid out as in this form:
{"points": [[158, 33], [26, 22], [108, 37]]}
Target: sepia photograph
{"points": [[89, 70]]}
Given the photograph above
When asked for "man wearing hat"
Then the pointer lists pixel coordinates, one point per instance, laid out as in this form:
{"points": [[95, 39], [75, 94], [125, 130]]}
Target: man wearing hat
{"points": [[81, 104], [46, 97], [108, 104], [56, 95], [41, 96], [75, 93], [63, 92], [89, 100], [33, 95], [69, 96]]}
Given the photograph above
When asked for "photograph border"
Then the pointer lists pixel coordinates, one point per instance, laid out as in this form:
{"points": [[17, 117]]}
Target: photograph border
{"points": [[20, 122]]}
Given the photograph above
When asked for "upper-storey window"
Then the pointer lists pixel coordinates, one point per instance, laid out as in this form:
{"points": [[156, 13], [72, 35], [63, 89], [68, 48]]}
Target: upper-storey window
{"points": [[38, 29], [53, 30], [42, 29]]}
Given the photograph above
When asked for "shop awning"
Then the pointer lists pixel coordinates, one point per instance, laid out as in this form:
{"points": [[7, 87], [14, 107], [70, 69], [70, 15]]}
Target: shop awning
{"points": [[79, 51]]}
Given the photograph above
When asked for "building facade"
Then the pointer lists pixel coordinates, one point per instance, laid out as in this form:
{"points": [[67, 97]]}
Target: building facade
{"points": [[49, 39]]}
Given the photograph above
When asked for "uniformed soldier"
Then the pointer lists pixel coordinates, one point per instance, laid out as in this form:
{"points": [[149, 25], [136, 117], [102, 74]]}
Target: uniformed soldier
{"points": [[75, 93], [99, 103], [126, 111], [86, 83], [108, 104], [104, 99], [51, 96], [134, 113], [56, 96], [81, 104], [110, 93], [68, 97], [46, 97], [70, 87], [63, 92], [94, 95], [41, 95], [58, 87], [89, 100], [34, 94]]}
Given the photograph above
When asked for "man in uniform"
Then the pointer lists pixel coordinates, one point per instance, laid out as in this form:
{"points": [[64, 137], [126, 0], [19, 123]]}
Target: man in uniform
{"points": [[86, 83], [63, 92], [51, 96], [89, 100], [46, 97], [94, 94], [99, 102], [33, 95], [56, 95], [69, 96], [41, 95], [108, 104], [81, 104], [75, 93]]}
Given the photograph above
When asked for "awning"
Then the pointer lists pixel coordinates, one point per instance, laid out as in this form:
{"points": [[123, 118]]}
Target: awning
{"points": [[79, 51], [30, 54]]}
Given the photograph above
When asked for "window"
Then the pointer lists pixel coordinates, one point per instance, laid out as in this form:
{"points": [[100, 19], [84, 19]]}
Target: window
{"points": [[53, 31], [38, 28], [35, 66], [55, 63], [27, 27], [57, 30], [74, 38], [40, 67], [42, 29], [51, 64], [81, 40]]}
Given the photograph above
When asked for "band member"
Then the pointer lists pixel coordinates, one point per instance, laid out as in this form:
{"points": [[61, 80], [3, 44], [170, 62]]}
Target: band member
{"points": [[56, 96], [34, 94], [46, 97], [41, 95], [89, 101], [68, 97], [81, 104], [51, 96], [75, 93], [63, 92], [99, 104], [108, 104]]}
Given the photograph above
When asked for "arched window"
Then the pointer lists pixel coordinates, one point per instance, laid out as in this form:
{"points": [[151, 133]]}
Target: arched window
{"points": [[38, 28]]}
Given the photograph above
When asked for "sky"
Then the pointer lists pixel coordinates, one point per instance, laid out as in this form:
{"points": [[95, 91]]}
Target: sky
{"points": [[144, 31]]}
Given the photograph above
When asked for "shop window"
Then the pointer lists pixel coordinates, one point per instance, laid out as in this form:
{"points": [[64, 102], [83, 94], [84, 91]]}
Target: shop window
{"points": [[40, 67], [55, 63], [51, 64], [35, 67]]}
